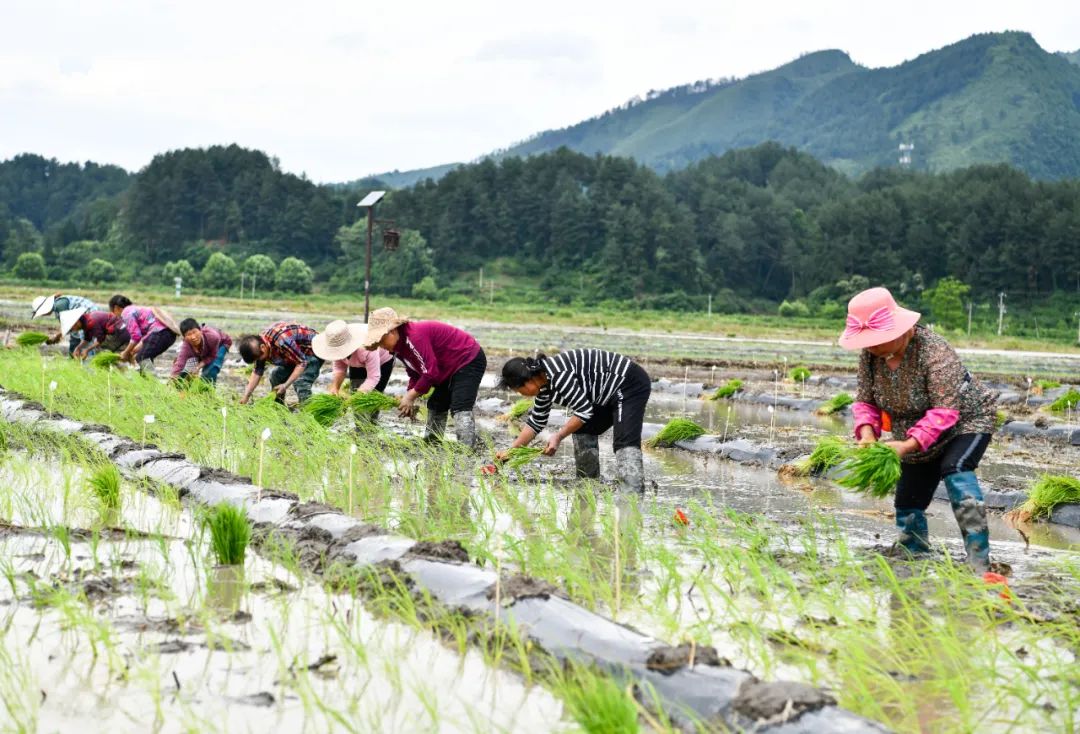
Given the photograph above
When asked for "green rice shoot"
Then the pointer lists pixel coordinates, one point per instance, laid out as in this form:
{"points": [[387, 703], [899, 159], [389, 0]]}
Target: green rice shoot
{"points": [[873, 469], [836, 403], [521, 455], [828, 453], [104, 360], [520, 408], [325, 408], [677, 429], [1049, 492], [371, 402], [31, 339], [229, 533], [799, 374], [1047, 384], [728, 389], [105, 484], [1068, 401]]}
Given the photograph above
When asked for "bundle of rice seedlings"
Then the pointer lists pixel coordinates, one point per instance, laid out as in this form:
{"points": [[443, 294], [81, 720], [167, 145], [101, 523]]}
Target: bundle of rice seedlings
{"points": [[829, 452], [105, 360], [799, 374], [728, 389], [1046, 494], [1068, 401], [325, 408], [105, 484], [1000, 418], [31, 339], [677, 429], [874, 469], [1047, 384], [520, 456], [520, 408], [229, 533], [370, 402], [835, 404]]}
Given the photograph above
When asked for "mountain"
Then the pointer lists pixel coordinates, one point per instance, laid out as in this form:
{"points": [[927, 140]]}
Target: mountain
{"points": [[991, 98], [399, 179], [1073, 57]]}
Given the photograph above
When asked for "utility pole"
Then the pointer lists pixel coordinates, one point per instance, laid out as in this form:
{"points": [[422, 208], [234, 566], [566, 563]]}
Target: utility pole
{"points": [[710, 305], [253, 286], [242, 276], [1077, 315], [970, 304], [1001, 311]]}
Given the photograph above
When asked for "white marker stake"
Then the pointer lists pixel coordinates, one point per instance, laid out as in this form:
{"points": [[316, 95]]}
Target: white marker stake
{"points": [[108, 377], [146, 420], [262, 450], [52, 389], [352, 453], [224, 433], [772, 423]]}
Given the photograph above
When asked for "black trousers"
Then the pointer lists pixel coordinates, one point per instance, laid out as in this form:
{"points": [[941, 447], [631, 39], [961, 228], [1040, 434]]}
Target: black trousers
{"points": [[459, 392], [357, 376], [918, 481], [625, 412]]}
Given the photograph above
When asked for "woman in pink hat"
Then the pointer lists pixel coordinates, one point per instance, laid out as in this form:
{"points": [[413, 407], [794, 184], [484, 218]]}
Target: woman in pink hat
{"points": [[941, 418]]}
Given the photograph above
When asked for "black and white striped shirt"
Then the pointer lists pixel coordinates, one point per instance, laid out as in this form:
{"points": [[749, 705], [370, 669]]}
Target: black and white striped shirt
{"points": [[579, 379]]}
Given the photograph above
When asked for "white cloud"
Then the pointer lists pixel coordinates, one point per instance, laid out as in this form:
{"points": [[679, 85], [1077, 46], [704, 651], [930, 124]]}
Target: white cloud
{"points": [[341, 89]]}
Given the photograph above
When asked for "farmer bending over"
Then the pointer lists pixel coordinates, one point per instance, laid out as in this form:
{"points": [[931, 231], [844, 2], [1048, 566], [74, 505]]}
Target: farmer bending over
{"points": [[150, 329], [202, 353], [603, 390], [100, 329], [368, 369], [941, 414], [435, 355], [56, 304], [288, 346]]}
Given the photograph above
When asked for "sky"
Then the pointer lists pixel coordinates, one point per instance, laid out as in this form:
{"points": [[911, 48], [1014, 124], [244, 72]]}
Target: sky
{"points": [[339, 90]]}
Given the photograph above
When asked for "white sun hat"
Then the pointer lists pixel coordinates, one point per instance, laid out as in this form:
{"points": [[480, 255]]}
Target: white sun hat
{"points": [[68, 318], [338, 340], [42, 305]]}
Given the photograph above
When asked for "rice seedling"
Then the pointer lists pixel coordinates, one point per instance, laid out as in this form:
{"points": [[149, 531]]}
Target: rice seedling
{"points": [[105, 484], [874, 469], [325, 408], [1000, 418], [193, 385], [799, 374], [1047, 384], [828, 453], [371, 402], [728, 389], [519, 409], [105, 360], [596, 701], [521, 455], [835, 404], [1068, 401], [31, 339], [1046, 494], [677, 429], [229, 533]]}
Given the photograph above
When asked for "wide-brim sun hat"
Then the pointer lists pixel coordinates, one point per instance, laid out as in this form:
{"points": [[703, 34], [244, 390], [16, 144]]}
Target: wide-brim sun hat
{"points": [[874, 318], [338, 340], [381, 321], [69, 318], [42, 305]]}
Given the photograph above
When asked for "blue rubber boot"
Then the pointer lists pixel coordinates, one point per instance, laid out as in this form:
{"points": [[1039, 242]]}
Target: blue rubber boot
{"points": [[914, 535], [967, 503]]}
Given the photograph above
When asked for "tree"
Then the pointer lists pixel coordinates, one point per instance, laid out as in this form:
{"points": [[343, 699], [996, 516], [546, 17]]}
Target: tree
{"points": [[293, 275], [261, 268], [425, 289], [99, 271], [22, 237], [178, 269], [30, 266], [946, 301], [219, 272]]}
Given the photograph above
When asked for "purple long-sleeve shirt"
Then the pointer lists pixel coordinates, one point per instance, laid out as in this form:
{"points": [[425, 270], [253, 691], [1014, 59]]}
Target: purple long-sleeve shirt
{"points": [[432, 352], [212, 340], [140, 322]]}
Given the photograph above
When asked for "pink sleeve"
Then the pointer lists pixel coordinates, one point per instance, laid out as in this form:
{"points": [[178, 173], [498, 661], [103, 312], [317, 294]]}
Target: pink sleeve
{"points": [[341, 366], [866, 414], [930, 427], [374, 370], [130, 318]]}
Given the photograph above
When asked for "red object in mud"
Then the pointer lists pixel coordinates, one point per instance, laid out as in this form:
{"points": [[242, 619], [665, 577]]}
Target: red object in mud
{"points": [[996, 579], [489, 469], [680, 517], [886, 422]]}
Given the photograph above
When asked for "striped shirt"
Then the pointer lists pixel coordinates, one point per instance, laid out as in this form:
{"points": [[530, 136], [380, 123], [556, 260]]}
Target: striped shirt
{"points": [[580, 380]]}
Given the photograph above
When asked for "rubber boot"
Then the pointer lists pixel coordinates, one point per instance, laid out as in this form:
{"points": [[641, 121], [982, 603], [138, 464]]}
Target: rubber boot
{"points": [[630, 470], [587, 456], [436, 426], [465, 428], [913, 535], [970, 511]]}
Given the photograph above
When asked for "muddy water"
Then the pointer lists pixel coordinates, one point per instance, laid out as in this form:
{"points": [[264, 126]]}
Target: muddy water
{"points": [[144, 634]]}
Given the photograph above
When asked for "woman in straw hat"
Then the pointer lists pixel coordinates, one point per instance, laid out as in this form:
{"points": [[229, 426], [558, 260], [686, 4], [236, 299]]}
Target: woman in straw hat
{"points": [[57, 304], [99, 329], [435, 355], [941, 418], [368, 369]]}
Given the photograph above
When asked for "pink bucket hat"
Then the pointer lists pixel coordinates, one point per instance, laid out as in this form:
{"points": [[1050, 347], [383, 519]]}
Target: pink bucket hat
{"points": [[874, 318]]}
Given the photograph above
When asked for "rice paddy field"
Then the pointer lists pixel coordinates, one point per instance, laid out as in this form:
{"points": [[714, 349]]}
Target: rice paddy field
{"points": [[117, 607]]}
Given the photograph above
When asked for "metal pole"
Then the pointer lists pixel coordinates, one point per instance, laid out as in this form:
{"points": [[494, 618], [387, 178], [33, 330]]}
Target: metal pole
{"points": [[1001, 311], [367, 270], [253, 285], [242, 285], [970, 304]]}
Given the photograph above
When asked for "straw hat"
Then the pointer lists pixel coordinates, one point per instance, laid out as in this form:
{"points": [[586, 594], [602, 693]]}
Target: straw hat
{"points": [[874, 318], [339, 340], [381, 321], [68, 319], [42, 305]]}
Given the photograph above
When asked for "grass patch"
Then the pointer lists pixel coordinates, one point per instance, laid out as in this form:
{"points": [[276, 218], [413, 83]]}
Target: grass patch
{"points": [[371, 402], [229, 533], [325, 408], [105, 484], [835, 404], [31, 339], [799, 374], [677, 429], [728, 389], [1047, 384], [873, 469], [1068, 401]]}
